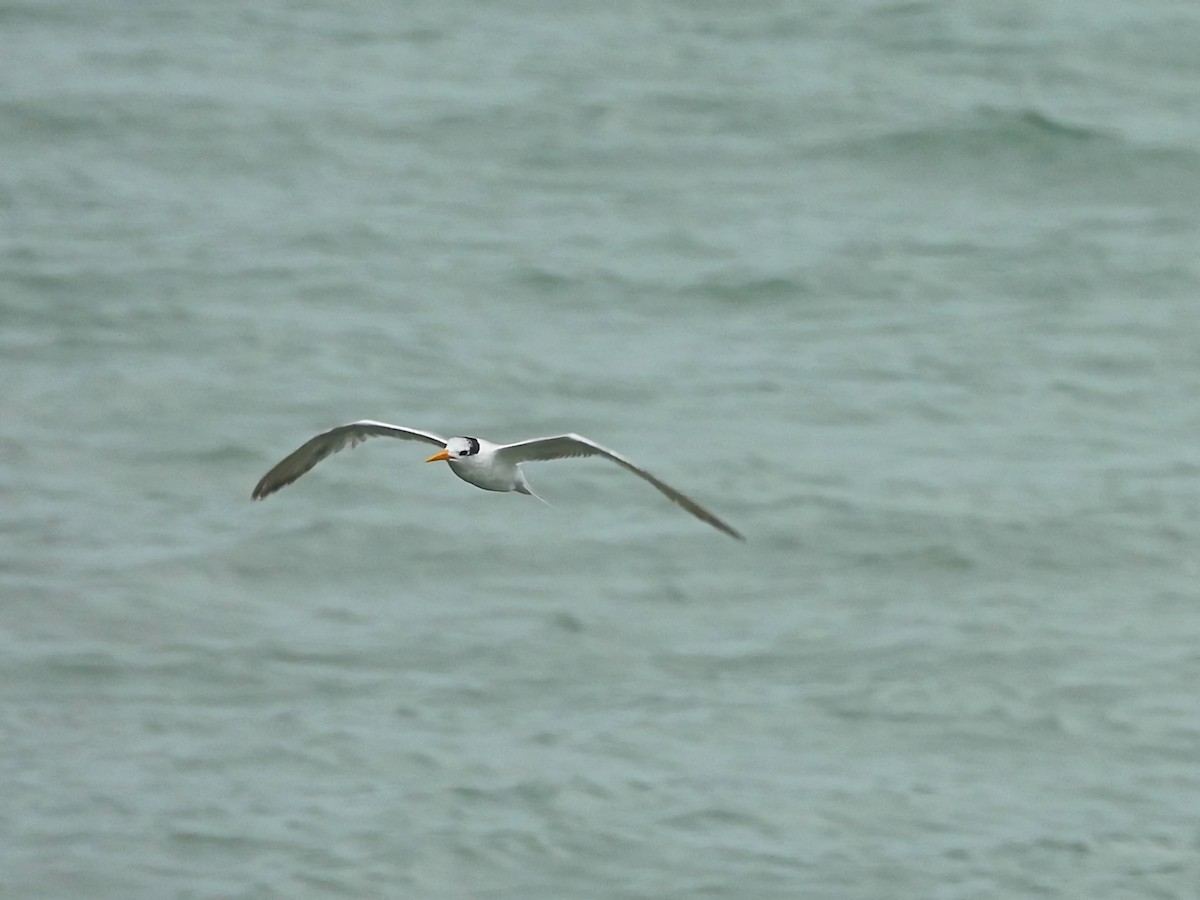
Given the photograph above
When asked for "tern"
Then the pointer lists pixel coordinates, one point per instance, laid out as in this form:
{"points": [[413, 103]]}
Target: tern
{"points": [[493, 467]]}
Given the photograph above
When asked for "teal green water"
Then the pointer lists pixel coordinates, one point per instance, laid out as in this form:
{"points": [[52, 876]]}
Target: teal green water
{"points": [[906, 292]]}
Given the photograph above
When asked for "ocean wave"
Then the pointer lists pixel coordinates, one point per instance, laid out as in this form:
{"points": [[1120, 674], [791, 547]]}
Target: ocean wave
{"points": [[999, 136]]}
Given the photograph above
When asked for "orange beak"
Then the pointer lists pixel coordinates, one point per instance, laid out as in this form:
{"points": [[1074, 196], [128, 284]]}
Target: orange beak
{"points": [[441, 454]]}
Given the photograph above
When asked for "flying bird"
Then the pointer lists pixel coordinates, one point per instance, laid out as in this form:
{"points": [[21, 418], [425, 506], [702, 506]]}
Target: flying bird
{"points": [[493, 467]]}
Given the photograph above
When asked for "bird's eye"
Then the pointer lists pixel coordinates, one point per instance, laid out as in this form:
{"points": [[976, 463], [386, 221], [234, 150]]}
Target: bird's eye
{"points": [[462, 452]]}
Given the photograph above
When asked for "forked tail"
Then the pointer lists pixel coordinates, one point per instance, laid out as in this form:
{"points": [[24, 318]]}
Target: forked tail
{"points": [[524, 488]]}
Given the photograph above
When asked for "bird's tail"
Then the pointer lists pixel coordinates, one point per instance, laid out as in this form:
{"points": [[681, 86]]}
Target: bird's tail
{"points": [[524, 488]]}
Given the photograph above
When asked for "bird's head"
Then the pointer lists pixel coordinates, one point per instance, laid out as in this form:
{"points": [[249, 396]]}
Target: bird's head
{"points": [[456, 448]]}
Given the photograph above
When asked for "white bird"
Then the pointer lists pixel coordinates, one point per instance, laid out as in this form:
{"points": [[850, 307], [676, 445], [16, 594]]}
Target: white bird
{"points": [[493, 467]]}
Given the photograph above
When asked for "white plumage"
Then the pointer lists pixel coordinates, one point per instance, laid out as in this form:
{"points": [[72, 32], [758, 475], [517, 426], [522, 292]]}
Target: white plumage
{"points": [[493, 467]]}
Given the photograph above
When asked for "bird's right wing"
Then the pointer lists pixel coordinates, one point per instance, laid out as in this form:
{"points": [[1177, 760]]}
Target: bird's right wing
{"points": [[316, 449]]}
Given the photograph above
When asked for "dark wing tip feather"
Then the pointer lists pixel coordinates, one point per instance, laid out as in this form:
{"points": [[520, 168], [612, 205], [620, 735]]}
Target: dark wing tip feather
{"points": [[262, 490], [694, 508], [728, 529], [271, 482]]}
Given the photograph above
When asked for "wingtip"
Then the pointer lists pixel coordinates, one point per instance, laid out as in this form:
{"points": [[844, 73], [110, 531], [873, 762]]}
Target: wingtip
{"points": [[732, 532]]}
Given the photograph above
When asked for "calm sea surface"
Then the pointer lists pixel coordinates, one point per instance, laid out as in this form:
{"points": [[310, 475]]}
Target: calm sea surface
{"points": [[909, 292]]}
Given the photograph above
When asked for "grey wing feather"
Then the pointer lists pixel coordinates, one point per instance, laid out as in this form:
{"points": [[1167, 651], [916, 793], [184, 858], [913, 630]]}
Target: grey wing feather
{"points": [[564, 446], [329, 442]]}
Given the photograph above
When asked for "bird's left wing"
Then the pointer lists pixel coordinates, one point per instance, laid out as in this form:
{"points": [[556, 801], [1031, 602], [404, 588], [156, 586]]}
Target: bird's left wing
{"points": [[564, 446], [316, 449]]}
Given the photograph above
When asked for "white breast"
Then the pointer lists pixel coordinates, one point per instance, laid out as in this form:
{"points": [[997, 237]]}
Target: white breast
{"points": [[484, 471]]}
